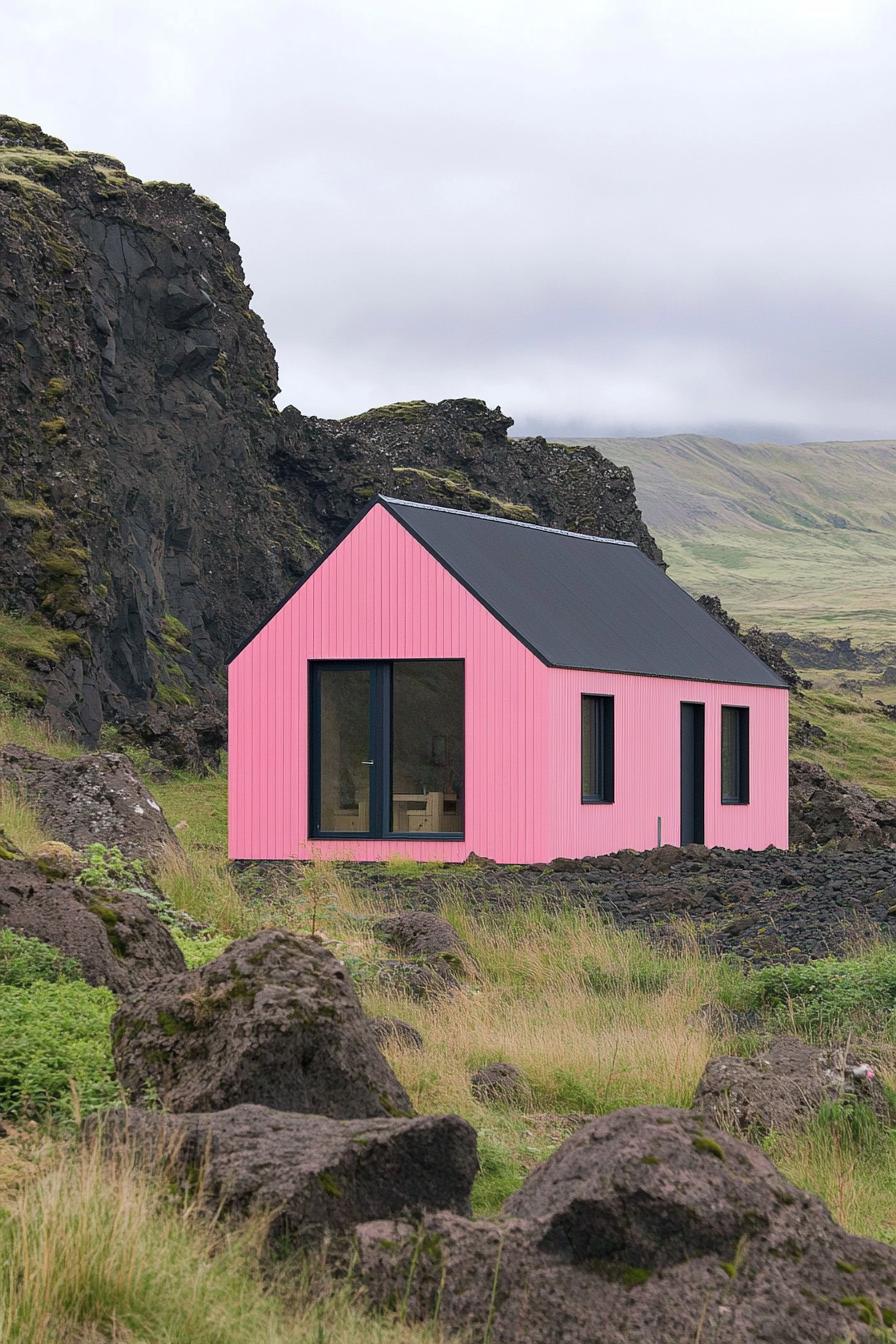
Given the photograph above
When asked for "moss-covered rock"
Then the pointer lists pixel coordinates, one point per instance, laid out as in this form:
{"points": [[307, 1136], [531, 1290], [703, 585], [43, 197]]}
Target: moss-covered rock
{"points": [[273, 1021]]}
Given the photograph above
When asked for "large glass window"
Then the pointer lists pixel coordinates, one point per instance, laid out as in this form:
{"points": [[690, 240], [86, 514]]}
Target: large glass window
{"points": [[597, 749], [735, 754], [427, 747], [387, 748]]}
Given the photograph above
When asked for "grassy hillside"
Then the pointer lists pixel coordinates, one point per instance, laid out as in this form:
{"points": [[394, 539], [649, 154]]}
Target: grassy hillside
{"points": [[799, 537]]}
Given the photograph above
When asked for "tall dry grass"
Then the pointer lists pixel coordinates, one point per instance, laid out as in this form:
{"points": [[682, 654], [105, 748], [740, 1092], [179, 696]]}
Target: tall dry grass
{"points": [[18, 820], [27, 730], [95, 1249], [594, 1017]]}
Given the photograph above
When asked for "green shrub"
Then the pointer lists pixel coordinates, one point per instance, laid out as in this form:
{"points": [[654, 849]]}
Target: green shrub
{"points": [[826, 998], [28, 961], [106, 866], [55, 1051], [198, 951]]}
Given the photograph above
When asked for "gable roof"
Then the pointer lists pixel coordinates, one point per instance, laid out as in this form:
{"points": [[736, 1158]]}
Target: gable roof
{"points": [[578, 601]]}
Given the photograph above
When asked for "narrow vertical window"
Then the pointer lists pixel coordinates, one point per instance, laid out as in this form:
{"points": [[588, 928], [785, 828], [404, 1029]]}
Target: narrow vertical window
{"points": [[597, 749], [735, 754]]}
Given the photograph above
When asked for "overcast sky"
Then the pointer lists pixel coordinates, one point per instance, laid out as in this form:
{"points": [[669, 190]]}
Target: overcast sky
{"points": [[630, 216]]}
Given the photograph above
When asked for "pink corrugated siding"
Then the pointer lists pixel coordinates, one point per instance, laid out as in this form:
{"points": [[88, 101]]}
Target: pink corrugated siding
{"points": [[381, 595], [647, 714]]}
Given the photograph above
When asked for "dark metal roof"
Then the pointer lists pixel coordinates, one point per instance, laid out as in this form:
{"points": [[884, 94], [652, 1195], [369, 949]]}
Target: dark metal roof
{"points": [[580, 601]]}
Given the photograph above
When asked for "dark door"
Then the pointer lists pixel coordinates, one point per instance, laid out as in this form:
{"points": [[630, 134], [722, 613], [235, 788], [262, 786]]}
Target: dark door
{"points": [[692, 739]]}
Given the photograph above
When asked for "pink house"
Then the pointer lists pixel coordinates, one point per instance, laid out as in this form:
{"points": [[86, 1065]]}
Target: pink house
{"points": [[442, 683]]}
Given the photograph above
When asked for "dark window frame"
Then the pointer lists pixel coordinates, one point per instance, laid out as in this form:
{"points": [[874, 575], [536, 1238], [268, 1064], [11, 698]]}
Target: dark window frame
{"points": [[380, 748], [741, 748], [599, 713]]}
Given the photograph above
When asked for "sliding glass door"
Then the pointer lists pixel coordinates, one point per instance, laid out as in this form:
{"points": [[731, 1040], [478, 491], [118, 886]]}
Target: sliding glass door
{"points": [[387, 749]]}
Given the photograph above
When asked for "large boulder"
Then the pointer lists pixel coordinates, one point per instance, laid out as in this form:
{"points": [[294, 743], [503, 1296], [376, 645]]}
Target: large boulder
{"points": [[419, 933], [647, 1224], [432, 955], [113, 935], [783, 1087], [273, 1021], [394, 1031], [825, 811], [500, 1084], [316, 1175], [97, 797]]}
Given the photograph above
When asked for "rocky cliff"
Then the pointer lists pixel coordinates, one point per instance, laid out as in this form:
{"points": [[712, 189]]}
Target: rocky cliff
{"points": [[155, 503]]}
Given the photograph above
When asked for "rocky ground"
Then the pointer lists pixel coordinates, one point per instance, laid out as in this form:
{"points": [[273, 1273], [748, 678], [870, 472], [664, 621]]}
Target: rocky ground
{"points": [[258, 1085], [765, 906]]}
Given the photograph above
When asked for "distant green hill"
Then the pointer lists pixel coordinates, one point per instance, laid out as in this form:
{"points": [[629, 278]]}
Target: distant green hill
{"points": [[799, 537]]}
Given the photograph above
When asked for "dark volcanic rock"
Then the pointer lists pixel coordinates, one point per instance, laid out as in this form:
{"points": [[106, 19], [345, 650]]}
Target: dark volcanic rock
{"points": [[181, 737], [643, 1225], [98, 797], [113, 935], [824, 810], [419, 933], [317, 1175], [273, 1021], [162, 505], [765, 906], [393, 1031], [783, 1087], [500, 1082], [427, 978]]}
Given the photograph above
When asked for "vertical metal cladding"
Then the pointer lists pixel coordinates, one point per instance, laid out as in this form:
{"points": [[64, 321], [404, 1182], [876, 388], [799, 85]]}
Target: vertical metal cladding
{"points": [[381, 595]]}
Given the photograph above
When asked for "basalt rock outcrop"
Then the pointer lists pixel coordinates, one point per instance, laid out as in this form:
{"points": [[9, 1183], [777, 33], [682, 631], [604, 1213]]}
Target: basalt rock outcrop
{"points": [[274, 1021], [98, 797], [828, 811], [317, 1176], [155, 503], [646, 1224], [113, 935]]}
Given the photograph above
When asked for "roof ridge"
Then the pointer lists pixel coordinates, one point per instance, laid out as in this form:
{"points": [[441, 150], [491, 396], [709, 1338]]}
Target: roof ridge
{"points": [[511, 522]]}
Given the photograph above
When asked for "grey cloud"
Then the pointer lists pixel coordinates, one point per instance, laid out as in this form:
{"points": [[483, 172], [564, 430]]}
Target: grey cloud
{"points": [[637, 213]]}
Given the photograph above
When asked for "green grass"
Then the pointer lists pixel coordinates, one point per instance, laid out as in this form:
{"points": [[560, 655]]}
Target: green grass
{"points": [[196, 808], [30, 510], [27, 961], [55, 1052], [861, 741], [24, 641], [27, 730], [825, 1000]]}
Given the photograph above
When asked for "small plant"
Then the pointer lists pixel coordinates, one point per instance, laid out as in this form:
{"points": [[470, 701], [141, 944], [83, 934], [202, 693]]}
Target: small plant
{"points": [[54, 430], [112, 740], [106, 866]]}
